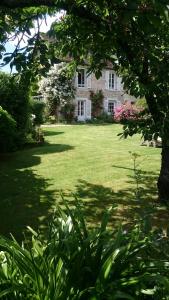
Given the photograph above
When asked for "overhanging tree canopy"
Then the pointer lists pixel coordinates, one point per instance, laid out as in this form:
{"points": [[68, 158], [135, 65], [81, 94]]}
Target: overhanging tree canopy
{"points": [[133, 35]]}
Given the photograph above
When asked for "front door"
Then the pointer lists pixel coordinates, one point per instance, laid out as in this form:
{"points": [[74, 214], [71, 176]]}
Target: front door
{"points": [[81, 110]]}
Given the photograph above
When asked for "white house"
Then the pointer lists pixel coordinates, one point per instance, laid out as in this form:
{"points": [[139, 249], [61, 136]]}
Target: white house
{"points": [[109, 83]]}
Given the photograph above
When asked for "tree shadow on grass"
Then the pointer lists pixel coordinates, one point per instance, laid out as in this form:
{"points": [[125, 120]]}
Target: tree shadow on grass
{"points": [[25, 198], [24, 202], [52, 133], [128, 207], [31, 157], [48, 148]]}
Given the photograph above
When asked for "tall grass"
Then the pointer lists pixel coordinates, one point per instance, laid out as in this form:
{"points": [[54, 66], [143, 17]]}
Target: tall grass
{"points": [[76, 262]]}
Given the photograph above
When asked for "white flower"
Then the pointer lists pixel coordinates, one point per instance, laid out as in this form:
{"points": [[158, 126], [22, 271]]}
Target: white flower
{"points": [[33, 117], [57, 86]]}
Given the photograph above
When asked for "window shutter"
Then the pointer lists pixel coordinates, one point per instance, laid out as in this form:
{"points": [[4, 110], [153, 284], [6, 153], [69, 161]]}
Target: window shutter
{"points": [[76, 107], [88, 78], [119, 88], [118, 103], [107, 80], [76, 79], [103, 74], [88, 109], [105, 105]]}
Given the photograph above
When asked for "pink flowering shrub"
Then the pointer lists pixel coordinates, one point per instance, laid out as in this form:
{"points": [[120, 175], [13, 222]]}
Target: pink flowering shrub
{"points": [[136, 120], [126, 112]]}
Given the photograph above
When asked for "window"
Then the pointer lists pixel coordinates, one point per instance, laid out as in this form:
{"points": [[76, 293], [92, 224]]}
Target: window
{"points": [[81, 78], [111, 106], [111, 81], [81, 108]]}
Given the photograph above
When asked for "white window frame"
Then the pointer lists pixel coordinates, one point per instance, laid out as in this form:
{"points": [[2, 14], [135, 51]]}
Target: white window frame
{"points": [[81, 85], [114, 101], [81, 109], [109, 86], [85, 107]]}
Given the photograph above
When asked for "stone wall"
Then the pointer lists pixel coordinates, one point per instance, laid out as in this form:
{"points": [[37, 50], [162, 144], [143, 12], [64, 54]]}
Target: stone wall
{"points": [[118, 94]]}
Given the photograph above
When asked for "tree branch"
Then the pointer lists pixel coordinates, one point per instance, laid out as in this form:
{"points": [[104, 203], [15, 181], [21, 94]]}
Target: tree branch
{"points": [[70, 7], [12, 4]]}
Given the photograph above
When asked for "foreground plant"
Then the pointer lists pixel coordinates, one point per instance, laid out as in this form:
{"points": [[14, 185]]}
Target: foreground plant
{"points": [[76, 262]]}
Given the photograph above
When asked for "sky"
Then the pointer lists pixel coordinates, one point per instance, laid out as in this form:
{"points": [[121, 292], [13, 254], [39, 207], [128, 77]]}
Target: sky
{"points": [[44, 27]]}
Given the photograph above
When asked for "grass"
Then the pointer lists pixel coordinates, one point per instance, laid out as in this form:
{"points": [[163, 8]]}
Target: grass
{"points": [[87, 160]]}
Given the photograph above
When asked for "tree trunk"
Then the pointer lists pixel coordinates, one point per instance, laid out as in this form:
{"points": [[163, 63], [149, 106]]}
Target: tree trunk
{"points": [[163, 180]]}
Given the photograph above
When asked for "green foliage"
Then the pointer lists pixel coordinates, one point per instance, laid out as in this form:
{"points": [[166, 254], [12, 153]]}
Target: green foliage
{"points": [[142, 124], [38, 135], [49, 119], [141, 103], [8, 131], [14, 97], [76, 262], [132, 36], [17, 24], [137, 119], [68, 111], [37, 109], [103, 118], [97, 103]]}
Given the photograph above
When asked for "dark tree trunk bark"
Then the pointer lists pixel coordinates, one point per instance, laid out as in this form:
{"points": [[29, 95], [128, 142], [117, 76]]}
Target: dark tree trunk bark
{"points": [[163, 180]]}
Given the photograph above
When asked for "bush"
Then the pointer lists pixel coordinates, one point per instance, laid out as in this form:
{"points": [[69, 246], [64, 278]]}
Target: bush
{"points": [[14, 98], [126, 112], [37, 109], [103, 118], [7, 131], [141, 103], [97, 103], [50, 119], [106, 118], [86, 264], [57, 88], [137, 120], [68, 112]]}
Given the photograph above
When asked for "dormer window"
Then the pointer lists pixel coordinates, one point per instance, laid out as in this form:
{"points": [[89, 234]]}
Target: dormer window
{"points": [[81, 78]]}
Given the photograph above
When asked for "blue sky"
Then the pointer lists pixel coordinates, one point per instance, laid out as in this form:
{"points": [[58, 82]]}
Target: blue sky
{"points": [[10, 46]]}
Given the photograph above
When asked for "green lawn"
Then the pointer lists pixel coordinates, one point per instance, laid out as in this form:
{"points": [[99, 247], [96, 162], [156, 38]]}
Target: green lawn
{"points": [[87, 160]]}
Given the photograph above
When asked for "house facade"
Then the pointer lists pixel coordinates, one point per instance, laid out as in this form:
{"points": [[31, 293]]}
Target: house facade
{"points": [[111, 87]]}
